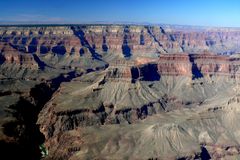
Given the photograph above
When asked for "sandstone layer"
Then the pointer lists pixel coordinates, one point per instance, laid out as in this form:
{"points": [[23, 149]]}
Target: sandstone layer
{"points": [[119, 92]]}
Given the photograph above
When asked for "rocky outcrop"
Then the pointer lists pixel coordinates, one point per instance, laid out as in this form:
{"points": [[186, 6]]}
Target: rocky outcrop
{"points": [[121, 70], [147, 39], [178, 64], [41, 40], [124, 40], [180, 134], [110, 91], [198, 65], [175, 65], [214, 65], [13, 56]]}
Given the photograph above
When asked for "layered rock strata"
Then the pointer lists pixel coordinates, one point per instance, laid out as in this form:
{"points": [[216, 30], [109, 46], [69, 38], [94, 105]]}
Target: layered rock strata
{"points": [[118, 39], [121, 91]]}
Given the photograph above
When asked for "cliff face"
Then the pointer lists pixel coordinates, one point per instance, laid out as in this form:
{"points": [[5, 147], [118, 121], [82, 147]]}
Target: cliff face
{"points": [[211, 65], [151, 112], [121, 70], [194, 66], [110, 91], [124, 40], [143, 39], [175, 64], [198, 65], [41, 39]]}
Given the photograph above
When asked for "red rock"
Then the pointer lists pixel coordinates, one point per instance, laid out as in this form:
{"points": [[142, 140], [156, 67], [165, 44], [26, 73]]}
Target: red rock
{"points": [[175, 64]]}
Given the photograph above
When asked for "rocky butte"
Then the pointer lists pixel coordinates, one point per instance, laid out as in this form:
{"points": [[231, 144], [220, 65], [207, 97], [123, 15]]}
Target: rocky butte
{"points": [[119, 92]]}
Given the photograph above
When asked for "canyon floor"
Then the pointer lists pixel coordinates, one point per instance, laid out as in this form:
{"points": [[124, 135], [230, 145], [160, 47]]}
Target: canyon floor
{"points": [[119, 92]]}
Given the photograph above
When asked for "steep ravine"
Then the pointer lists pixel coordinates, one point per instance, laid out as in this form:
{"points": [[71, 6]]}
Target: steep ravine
{"points": [[24, 130]]}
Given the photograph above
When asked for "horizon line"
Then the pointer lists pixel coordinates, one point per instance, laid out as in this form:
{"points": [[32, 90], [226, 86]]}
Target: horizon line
{"points": [[44, 23]]}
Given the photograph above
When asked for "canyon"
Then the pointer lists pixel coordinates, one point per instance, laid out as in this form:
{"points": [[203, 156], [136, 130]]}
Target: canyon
{"points": [[119, 92]]}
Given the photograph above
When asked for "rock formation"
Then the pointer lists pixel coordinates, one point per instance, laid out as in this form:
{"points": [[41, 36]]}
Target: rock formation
{"points": [[119, 91]]}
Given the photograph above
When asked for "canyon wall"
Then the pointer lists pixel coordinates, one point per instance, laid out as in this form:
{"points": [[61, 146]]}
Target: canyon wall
{"points": [[138, 85], [118, 39]]}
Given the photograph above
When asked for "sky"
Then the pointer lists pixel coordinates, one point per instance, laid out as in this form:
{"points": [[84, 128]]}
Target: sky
{"points": [[220, 13]]}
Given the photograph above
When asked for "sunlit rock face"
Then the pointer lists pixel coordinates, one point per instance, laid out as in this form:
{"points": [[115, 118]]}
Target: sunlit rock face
{"points": [[120, 39], [119, 92], [175, 64]]}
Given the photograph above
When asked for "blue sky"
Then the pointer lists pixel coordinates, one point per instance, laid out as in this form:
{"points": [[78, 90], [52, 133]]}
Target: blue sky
{"points": [[188, 12]]}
